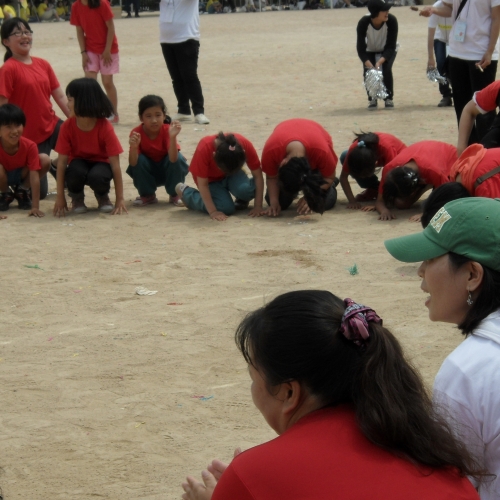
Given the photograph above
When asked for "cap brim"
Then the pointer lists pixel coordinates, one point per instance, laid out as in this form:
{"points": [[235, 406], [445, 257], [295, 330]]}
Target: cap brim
{"points": [[414, 248]]}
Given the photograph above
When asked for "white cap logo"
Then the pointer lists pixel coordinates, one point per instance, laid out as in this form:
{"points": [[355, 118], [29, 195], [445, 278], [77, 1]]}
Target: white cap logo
{"points": [[440, 219]]}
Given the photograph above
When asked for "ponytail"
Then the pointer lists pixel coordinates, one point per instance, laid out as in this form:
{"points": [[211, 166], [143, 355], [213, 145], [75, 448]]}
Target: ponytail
{"points": [[362, 159], [229, 154], [303, 336], [401, 182], [296, 175]]}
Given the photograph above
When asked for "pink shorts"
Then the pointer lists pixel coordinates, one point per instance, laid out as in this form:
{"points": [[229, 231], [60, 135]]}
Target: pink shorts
{"points": [[96, 64]]}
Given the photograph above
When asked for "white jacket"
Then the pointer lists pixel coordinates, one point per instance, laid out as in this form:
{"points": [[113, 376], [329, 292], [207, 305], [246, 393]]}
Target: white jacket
{"points": [[467, 388]]}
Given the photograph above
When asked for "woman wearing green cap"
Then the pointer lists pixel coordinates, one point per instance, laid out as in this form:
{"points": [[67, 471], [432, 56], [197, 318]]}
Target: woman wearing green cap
{"points": [[460, 250]]}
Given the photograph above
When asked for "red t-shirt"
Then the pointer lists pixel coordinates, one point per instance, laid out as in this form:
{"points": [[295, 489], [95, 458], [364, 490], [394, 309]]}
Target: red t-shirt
{"points": [[490, 188], [30, 86], [388, 148], [325, 456], [434, 160], [97, 145], [316, 140], [203, 163], [486, 99], [93, 23], [26, 156], [155, 149]]}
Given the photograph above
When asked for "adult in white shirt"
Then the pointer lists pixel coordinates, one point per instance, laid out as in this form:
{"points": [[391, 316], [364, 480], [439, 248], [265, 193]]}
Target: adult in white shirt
{"points": [[437, 44], [180, 44], [473, 51], [460, 249]]}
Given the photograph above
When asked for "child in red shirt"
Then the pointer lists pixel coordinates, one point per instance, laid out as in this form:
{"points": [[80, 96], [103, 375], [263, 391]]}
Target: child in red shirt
{"points": [[299, 156], [95, 31], [20, 165], [216, 168], [154, 157], [366, 153], [88, 144]]}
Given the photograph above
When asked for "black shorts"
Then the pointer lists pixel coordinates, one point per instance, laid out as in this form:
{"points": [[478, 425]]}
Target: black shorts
{"points": [[50, 143]]}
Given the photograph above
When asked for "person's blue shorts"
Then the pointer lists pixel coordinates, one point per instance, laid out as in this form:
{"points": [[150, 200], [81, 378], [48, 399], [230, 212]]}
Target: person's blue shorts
{"points": [[14, 177]]}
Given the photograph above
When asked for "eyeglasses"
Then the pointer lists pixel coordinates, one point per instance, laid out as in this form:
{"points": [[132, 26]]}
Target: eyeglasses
{"points": [[19, 34]]}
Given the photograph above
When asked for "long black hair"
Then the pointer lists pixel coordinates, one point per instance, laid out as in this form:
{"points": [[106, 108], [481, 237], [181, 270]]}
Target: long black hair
{"points": [[363, 158], [8, 27], [90, 99], [401, 182], [297, 337], [440, 197], [153, 101], [296, 175], [229, 154]]}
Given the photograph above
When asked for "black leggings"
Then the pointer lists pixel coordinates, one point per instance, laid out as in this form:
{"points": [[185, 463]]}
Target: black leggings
{"points": [[95, 174]]}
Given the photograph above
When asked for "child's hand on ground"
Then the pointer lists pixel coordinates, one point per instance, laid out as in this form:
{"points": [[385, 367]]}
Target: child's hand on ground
{"points": [[303, 207], [415, 218], [220, 216], [194, 490], [134, 140], [368, 208], [36, 212], [272, 211], [119, 208], [256, 212], [60, 208], [106, 58], [174, 129], [354, 205], [386, 215]]}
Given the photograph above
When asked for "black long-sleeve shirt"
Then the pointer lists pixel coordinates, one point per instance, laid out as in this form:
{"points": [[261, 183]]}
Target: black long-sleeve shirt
{"points": [[389, 44]]}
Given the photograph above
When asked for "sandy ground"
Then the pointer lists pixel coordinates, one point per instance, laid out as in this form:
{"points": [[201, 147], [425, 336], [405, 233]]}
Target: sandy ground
{"points": [[101, 388]]}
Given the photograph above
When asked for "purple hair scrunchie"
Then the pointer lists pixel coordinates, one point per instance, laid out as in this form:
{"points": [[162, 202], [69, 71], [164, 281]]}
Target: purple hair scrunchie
{"points": [[355, 320]]}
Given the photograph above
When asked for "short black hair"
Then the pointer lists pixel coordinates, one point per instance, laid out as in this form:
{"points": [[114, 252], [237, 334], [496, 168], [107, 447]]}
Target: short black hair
{"points": [[401, 182], [153, 101], [10, 114], [90, 99], [440, 197], [229, 154]]}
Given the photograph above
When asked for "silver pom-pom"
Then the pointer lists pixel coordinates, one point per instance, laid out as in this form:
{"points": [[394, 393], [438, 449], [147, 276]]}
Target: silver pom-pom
{"points": [[374, 84], [434, 76]]}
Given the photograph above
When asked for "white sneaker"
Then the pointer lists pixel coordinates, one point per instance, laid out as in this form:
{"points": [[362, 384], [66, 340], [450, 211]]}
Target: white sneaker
{"points": [[182, 117], [201, 119], [179, 188]]}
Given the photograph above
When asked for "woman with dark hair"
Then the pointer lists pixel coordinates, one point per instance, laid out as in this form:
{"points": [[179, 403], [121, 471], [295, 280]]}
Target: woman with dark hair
{"points": [[299, 156], [369, 151], [439, 197], [422, 166], [336, 387], [460, 250], [30, 82]]}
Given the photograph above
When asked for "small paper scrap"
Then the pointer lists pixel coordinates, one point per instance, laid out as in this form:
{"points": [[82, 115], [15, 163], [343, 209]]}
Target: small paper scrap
{"points": [[36, 266], [139, 424], [140, 290]]}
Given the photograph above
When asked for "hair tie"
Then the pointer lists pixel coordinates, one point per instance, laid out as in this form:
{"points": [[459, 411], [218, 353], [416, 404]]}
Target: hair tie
{"points": [[355, 320], [361, 144], [412, 177], [232, 148]]}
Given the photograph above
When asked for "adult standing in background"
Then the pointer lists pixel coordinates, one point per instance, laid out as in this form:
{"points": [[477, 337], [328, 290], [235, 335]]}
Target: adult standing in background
{"points": [[473, 52], [437, 41], [376, 45], [180, 44]]}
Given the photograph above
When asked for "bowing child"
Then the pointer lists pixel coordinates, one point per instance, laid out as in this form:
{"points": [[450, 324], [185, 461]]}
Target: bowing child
{"points": [[154, 157], [20, 165], [216, 168], [88, 145]]}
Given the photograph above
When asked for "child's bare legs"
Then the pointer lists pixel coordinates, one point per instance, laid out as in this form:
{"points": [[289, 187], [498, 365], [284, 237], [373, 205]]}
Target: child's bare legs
{"points": [[45, 163], [109, 86], [4, 183]]}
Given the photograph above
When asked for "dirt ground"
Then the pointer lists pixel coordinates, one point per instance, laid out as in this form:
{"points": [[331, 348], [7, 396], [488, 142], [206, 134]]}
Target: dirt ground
{"points": [[107, 394]]}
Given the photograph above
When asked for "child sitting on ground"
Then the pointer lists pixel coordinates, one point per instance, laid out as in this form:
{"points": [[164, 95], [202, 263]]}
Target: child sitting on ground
{"points": [[217, 171], [154, 157], [20, 165]]}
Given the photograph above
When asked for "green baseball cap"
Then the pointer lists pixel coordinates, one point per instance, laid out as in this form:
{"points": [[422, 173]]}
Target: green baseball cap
{"points": [[469, 227]]}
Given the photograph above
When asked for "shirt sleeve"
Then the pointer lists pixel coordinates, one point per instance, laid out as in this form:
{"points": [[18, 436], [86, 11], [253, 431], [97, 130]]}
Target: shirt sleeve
{"points": [[74, 18], [270, 164], [199, 165], [361, 38], [6, 81], [113, 146], [231, 487], [252, 157], [486, 99], [105, 10], [54, 82], [63, 145], [392, 38], [32, 158], [433, 21]]}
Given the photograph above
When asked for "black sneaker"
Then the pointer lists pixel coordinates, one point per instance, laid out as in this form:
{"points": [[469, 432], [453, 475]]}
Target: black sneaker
{"points": [[372, 104], [445, 102], [6, 200], [389, 104], [23, 199], [240, 204]]}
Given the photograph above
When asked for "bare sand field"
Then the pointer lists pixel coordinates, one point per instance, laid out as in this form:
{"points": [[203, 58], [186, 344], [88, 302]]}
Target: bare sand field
{"points": [[107, 394]]}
